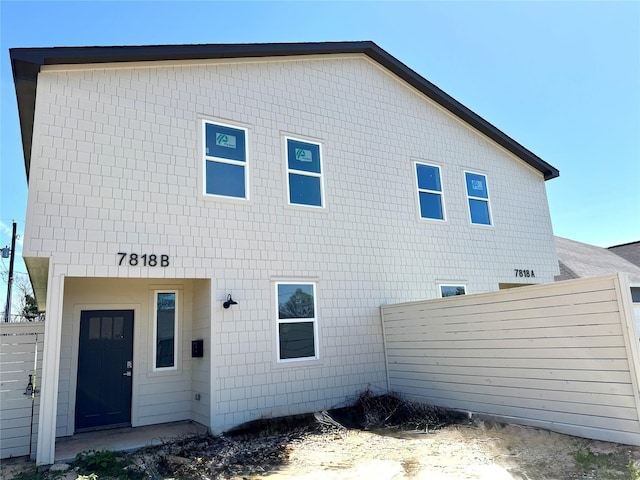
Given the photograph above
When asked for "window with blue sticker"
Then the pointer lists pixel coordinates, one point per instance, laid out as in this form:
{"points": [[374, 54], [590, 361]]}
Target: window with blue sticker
{"points": [[429, 191], [304, 173], [225, 161], [478, 198]]}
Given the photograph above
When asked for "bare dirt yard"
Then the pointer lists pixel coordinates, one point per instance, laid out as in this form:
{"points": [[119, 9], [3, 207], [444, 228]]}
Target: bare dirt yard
{"points": [[394, 440]]}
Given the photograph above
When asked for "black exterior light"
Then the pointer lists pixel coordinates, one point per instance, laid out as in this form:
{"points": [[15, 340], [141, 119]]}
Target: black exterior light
{"points": [[229, 302]]}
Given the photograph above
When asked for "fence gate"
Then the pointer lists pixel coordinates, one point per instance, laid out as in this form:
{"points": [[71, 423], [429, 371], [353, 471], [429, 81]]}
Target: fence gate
{"points": [[21, 353]]}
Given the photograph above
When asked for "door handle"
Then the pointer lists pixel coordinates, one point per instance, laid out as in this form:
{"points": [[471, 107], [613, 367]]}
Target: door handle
{"points": [[127, 373]]}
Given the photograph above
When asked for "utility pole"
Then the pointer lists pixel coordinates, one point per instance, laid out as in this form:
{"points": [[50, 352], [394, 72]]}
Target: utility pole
{"points": [[7, 309]]}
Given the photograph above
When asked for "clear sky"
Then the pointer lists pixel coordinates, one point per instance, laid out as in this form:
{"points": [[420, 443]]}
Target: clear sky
{"points": [[561, 78]]}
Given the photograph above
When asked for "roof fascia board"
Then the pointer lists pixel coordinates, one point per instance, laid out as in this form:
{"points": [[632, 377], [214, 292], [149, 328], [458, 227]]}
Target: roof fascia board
{"points": [[27, 62]]}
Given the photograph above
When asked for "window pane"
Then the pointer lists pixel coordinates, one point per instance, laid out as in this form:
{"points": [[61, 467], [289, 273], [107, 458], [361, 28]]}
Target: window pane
{"points": [[479, 212], [431, 205], [295, 301], [225, 179], [304, 190], [635, 294], [451, 290], [166, 329], [118, 328], [428, 177], [303, 156], [225, 142], [476, 185], [107, 326], [94, 328], [296, 340]]}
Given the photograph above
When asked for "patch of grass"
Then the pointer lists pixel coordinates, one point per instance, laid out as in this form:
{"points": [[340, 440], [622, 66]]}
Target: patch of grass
{"points": [[608, 466], [31, 474], [98, 464]]}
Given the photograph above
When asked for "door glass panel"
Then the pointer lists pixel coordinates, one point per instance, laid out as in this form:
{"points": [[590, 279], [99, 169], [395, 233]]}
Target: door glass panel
{"points": [[107, 327], [94, 328], [118, 328]]}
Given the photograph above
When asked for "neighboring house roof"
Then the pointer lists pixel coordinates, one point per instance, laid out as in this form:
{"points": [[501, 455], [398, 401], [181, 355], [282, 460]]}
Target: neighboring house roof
{"points": [[27, 62], [628, 251], [581, 260]]}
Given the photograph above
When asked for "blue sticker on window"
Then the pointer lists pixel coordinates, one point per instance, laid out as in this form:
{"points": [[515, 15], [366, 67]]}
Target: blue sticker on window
{"points": [[476, 185], [225, 142], [303, 156]]}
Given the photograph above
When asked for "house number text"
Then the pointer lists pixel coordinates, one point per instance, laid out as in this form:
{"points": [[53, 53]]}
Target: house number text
{"points": [[524, 273], [144, 260]]}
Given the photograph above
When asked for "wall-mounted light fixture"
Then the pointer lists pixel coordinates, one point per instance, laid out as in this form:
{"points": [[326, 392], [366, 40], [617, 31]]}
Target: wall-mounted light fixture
{"points": [[229, 302]]}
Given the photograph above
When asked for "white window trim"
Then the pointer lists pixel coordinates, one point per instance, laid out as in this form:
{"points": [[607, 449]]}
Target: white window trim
{"points": [[425, 190], [176, 343], [452, 284], [209, 158], [304, 172], [471, 197], [316, 343]]}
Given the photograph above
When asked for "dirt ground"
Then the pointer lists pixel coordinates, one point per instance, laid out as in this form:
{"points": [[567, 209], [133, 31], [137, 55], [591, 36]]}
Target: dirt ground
{"points": [[312, 450], [477, 450]]}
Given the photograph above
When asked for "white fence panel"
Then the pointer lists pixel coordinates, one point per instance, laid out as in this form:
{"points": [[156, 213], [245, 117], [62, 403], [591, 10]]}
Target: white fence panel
{"points": [[21, 352], [563, 356]]}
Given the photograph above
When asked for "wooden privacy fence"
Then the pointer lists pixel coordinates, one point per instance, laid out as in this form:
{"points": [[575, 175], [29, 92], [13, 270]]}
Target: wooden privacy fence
{"points": [[561, 356], [18, 409]]}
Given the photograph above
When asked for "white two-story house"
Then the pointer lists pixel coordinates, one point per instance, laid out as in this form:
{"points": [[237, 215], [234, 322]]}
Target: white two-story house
{"points": [[213, 228]]}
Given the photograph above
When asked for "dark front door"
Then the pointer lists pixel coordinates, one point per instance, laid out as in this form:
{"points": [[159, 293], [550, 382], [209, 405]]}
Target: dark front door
{"points": [[105, 361]]}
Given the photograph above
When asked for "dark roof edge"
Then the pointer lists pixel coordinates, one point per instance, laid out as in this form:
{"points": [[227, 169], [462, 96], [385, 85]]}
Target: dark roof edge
{"points": [[27, 62], [623, 244]]}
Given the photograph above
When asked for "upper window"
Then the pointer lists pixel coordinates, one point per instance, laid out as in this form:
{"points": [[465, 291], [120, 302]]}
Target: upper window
{"points": [[165, 331], [304, 172], [452, 290], [429, 191], [297, 323], [478, 197], [225, 160]]}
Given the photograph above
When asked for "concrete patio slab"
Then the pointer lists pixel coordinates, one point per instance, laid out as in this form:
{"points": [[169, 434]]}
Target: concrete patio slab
{"points": [[125, 439]]}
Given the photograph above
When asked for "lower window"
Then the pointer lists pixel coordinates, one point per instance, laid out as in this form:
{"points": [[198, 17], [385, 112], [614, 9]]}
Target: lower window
{"points": [[297, 323], [452, 290]]}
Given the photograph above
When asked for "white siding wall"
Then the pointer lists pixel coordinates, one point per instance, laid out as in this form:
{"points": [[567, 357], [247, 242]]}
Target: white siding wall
{"points": [[201, 367], [18, 419], [562, 356], [115, 167]]}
